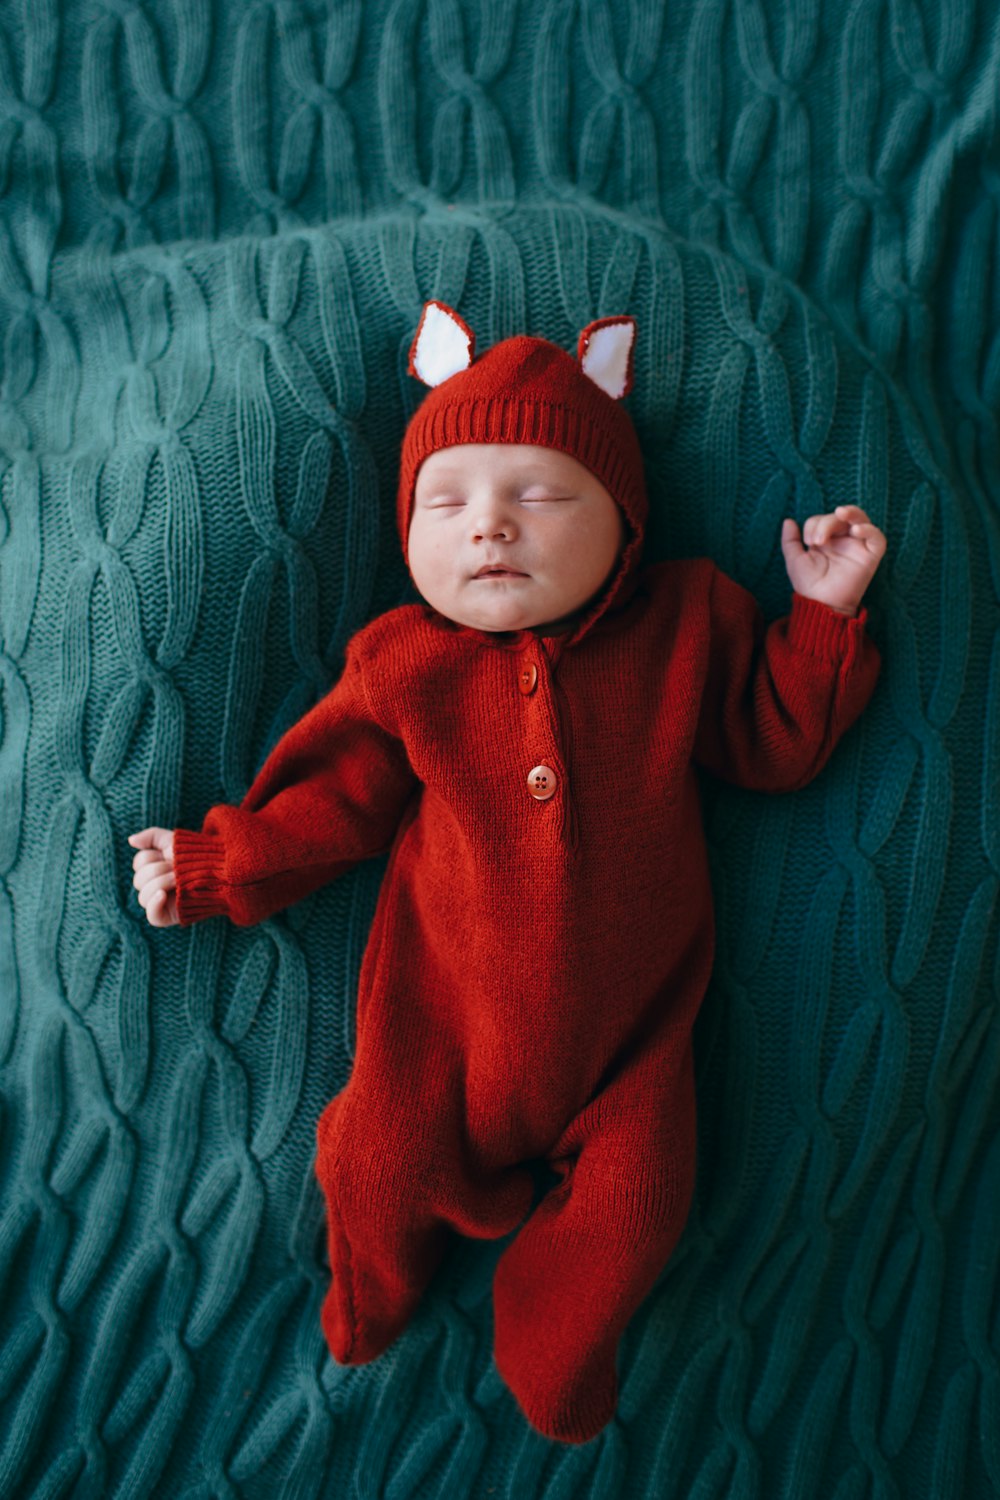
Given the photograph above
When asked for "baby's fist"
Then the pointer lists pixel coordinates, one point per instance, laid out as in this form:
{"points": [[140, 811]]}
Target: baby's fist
{"points": [[834, 558], [154, 875]]}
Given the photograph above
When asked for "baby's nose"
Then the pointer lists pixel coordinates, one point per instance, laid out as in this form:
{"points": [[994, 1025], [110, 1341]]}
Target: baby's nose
{"points": [[492, 522]]}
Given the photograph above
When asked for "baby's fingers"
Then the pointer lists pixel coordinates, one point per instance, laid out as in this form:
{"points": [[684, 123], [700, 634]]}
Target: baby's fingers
{"points": [[791, 538], [873, 539], [147, 867], [161, 910], [147, 857], [821, 529], [153, 838], [153, 884]]}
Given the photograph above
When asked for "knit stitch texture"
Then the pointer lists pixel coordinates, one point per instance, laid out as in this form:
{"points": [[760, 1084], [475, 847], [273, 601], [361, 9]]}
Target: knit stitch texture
{"points": [[218, 226]]}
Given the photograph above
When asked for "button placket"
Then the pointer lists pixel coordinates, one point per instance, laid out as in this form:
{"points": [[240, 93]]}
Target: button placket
{"points": [[534, 681]]}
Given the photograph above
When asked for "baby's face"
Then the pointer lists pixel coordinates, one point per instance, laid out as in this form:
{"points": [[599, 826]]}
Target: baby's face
{"points": [[534, 512]]}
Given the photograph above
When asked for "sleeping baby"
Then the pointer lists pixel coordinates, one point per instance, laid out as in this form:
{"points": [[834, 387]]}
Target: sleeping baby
{"points": [[524, 742]]}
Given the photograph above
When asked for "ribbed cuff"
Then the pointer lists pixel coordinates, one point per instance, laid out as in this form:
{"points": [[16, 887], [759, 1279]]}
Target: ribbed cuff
{"points": [[199, 867], [821, 631]]}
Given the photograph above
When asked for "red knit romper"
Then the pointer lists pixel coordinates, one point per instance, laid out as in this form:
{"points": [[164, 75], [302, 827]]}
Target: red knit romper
{"points": [[535, 964], [544, 932]]}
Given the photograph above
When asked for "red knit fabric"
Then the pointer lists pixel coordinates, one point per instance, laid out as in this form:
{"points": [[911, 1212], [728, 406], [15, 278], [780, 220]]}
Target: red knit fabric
{"points": [[534, 967]]}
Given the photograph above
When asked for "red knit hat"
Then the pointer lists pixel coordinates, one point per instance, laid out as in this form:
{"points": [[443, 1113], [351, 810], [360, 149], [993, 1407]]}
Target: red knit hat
{"points": [[526, 390]]}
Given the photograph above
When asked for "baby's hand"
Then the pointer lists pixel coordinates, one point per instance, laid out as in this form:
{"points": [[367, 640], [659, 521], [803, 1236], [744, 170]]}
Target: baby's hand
{"points": [[844, 549], [154, 875]]}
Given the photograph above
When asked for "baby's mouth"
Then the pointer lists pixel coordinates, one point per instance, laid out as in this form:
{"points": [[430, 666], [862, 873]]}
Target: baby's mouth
{"points": [[496, 571]]}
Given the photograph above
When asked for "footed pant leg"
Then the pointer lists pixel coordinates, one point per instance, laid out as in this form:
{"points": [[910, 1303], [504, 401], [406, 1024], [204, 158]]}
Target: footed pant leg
{"points": [[396, 1185], [566, 1287]]}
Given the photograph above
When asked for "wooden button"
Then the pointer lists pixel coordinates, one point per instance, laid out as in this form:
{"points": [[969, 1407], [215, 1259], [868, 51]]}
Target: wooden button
{"points": [[541, 782], [527, 677]]}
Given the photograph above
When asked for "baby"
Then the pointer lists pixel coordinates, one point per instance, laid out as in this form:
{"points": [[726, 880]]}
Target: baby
{"points": [[524, 741]]}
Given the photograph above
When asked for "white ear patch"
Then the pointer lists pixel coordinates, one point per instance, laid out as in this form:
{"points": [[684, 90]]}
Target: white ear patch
{"points": [[443, 344], [605, 354]]}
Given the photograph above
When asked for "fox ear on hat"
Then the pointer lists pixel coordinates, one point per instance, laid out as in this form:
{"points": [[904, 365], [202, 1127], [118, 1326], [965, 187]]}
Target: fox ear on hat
{"points": [[605, 354], [442, 345]]}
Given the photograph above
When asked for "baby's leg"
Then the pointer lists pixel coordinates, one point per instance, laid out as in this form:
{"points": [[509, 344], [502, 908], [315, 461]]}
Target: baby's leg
{"points": [[384, 1243], [569, 1283], [395, 1186]]}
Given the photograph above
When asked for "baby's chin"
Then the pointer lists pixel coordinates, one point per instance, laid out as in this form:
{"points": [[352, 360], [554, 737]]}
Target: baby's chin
{"points": [[511, 623], [493, 622], [496, 620]]}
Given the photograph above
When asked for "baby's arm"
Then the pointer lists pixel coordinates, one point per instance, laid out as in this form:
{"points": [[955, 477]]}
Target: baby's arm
{"points": [[331, 793], [777, 698]]}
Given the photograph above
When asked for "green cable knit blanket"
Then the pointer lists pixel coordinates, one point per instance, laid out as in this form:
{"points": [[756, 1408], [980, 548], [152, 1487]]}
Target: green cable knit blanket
{"points": [[218, 224]]}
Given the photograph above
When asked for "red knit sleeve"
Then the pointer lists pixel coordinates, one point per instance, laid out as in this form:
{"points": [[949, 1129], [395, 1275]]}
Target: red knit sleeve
{"points": [[332, 792], [777, 698]]}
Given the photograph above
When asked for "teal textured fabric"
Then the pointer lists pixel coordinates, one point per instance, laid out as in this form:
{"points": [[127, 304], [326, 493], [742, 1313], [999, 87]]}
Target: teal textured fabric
{"points": [[217, 228]]}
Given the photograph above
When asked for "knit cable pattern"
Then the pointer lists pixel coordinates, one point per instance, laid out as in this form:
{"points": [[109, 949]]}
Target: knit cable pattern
{"points": [[218, 225]]}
